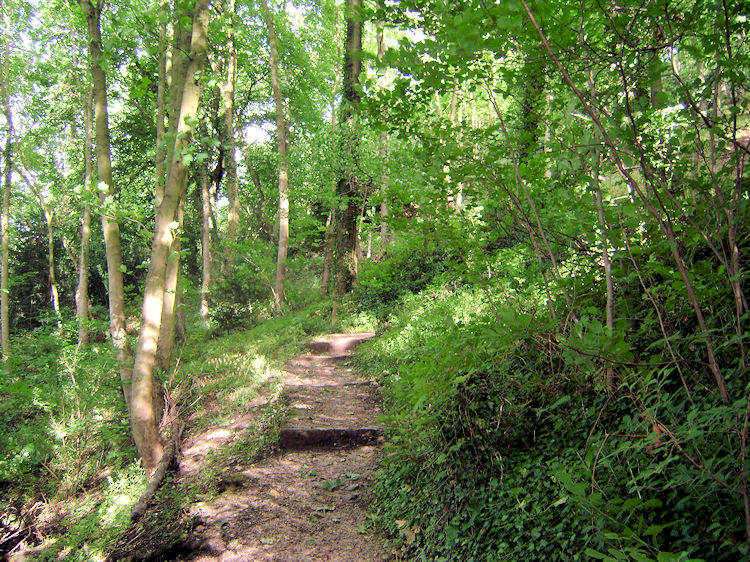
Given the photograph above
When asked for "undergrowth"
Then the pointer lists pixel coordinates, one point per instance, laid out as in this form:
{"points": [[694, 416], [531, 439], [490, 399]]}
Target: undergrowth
{"points": [[69, 474], [503, 443]]}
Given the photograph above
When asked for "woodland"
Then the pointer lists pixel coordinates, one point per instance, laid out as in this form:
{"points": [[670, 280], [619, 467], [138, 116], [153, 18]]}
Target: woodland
{"points": [[540, 207]]}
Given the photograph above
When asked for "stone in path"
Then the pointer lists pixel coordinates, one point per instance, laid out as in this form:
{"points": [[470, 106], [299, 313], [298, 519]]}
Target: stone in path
{"points": [[308, 501]]}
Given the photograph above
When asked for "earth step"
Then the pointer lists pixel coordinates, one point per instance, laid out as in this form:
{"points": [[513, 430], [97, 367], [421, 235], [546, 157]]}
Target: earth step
{"points": [[307, 438], [339, 343], [319, 360]]}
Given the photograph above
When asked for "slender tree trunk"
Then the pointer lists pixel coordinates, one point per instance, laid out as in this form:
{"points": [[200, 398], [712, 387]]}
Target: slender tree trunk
{"points": [[165, 345], [328, 244], [347, 189], [205, 245], [109, 224], [161, 88], [6, 180], [5, 220], [82, 292], [610, 306], [143, 421], [282, 142], [166, 336], [49, 217], [385, 236], [258, 206], [337, 66], [227, 93], [167, 331]]}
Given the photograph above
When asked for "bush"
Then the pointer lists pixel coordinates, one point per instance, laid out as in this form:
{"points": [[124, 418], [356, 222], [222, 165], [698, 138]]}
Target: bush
{"points": [[503, 445], [408, 268]]}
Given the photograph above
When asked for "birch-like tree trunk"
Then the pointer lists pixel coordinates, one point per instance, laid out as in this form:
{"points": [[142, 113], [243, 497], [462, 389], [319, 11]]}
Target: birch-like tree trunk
{"points": [[179, 60], [4, 222], [49, 219], [227, 96], [143, 420], [6, 180], [205, 244], [82, 291], [283, 145], [106, 188], [385, 236]]}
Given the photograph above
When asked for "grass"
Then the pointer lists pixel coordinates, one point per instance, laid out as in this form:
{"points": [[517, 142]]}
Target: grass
{"points": [[66, 431]]}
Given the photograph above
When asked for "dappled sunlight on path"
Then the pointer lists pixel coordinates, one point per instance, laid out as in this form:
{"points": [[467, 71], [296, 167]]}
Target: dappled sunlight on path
{"points": [[308, 500]]}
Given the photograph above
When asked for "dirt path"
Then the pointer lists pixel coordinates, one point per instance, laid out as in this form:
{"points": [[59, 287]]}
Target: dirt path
{"points": [[308, 500]]}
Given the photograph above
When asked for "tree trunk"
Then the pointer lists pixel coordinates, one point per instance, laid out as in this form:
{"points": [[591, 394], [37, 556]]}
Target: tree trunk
{"points": [[167, 331], [49, 217], [4, 221], [82, 292], [385, 236], [161, 88], [205, 245], [328, 244], [337, 66], [142, 417], [106, 188], [347, 189], [283, 146], [233, 187], [258, 205], [610, 306], [5, 82], [166, 338]]}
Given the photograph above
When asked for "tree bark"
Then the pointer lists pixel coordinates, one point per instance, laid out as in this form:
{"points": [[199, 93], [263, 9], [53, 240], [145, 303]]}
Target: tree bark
{"points": [[161, 88], [5, 218], [106, 190], [165, 345], [82, 291], [385, 236], [205, 245], [328, 244], [347, 188], [283, 147], [49, 217], [167, 332], [337, 66], [227, 94], [143, 421]]}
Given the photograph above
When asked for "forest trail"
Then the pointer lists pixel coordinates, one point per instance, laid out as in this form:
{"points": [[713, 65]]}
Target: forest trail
{"points": [[307, 501]]}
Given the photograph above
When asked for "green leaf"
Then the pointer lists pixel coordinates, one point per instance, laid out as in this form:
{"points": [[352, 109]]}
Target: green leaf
{"points": [[595, 554]]}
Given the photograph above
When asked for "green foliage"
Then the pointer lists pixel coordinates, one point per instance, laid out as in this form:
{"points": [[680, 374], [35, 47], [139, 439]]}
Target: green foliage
{"points": [[408, 267], [501, 448], [92, 531], [243, 296], [63, 411]]}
